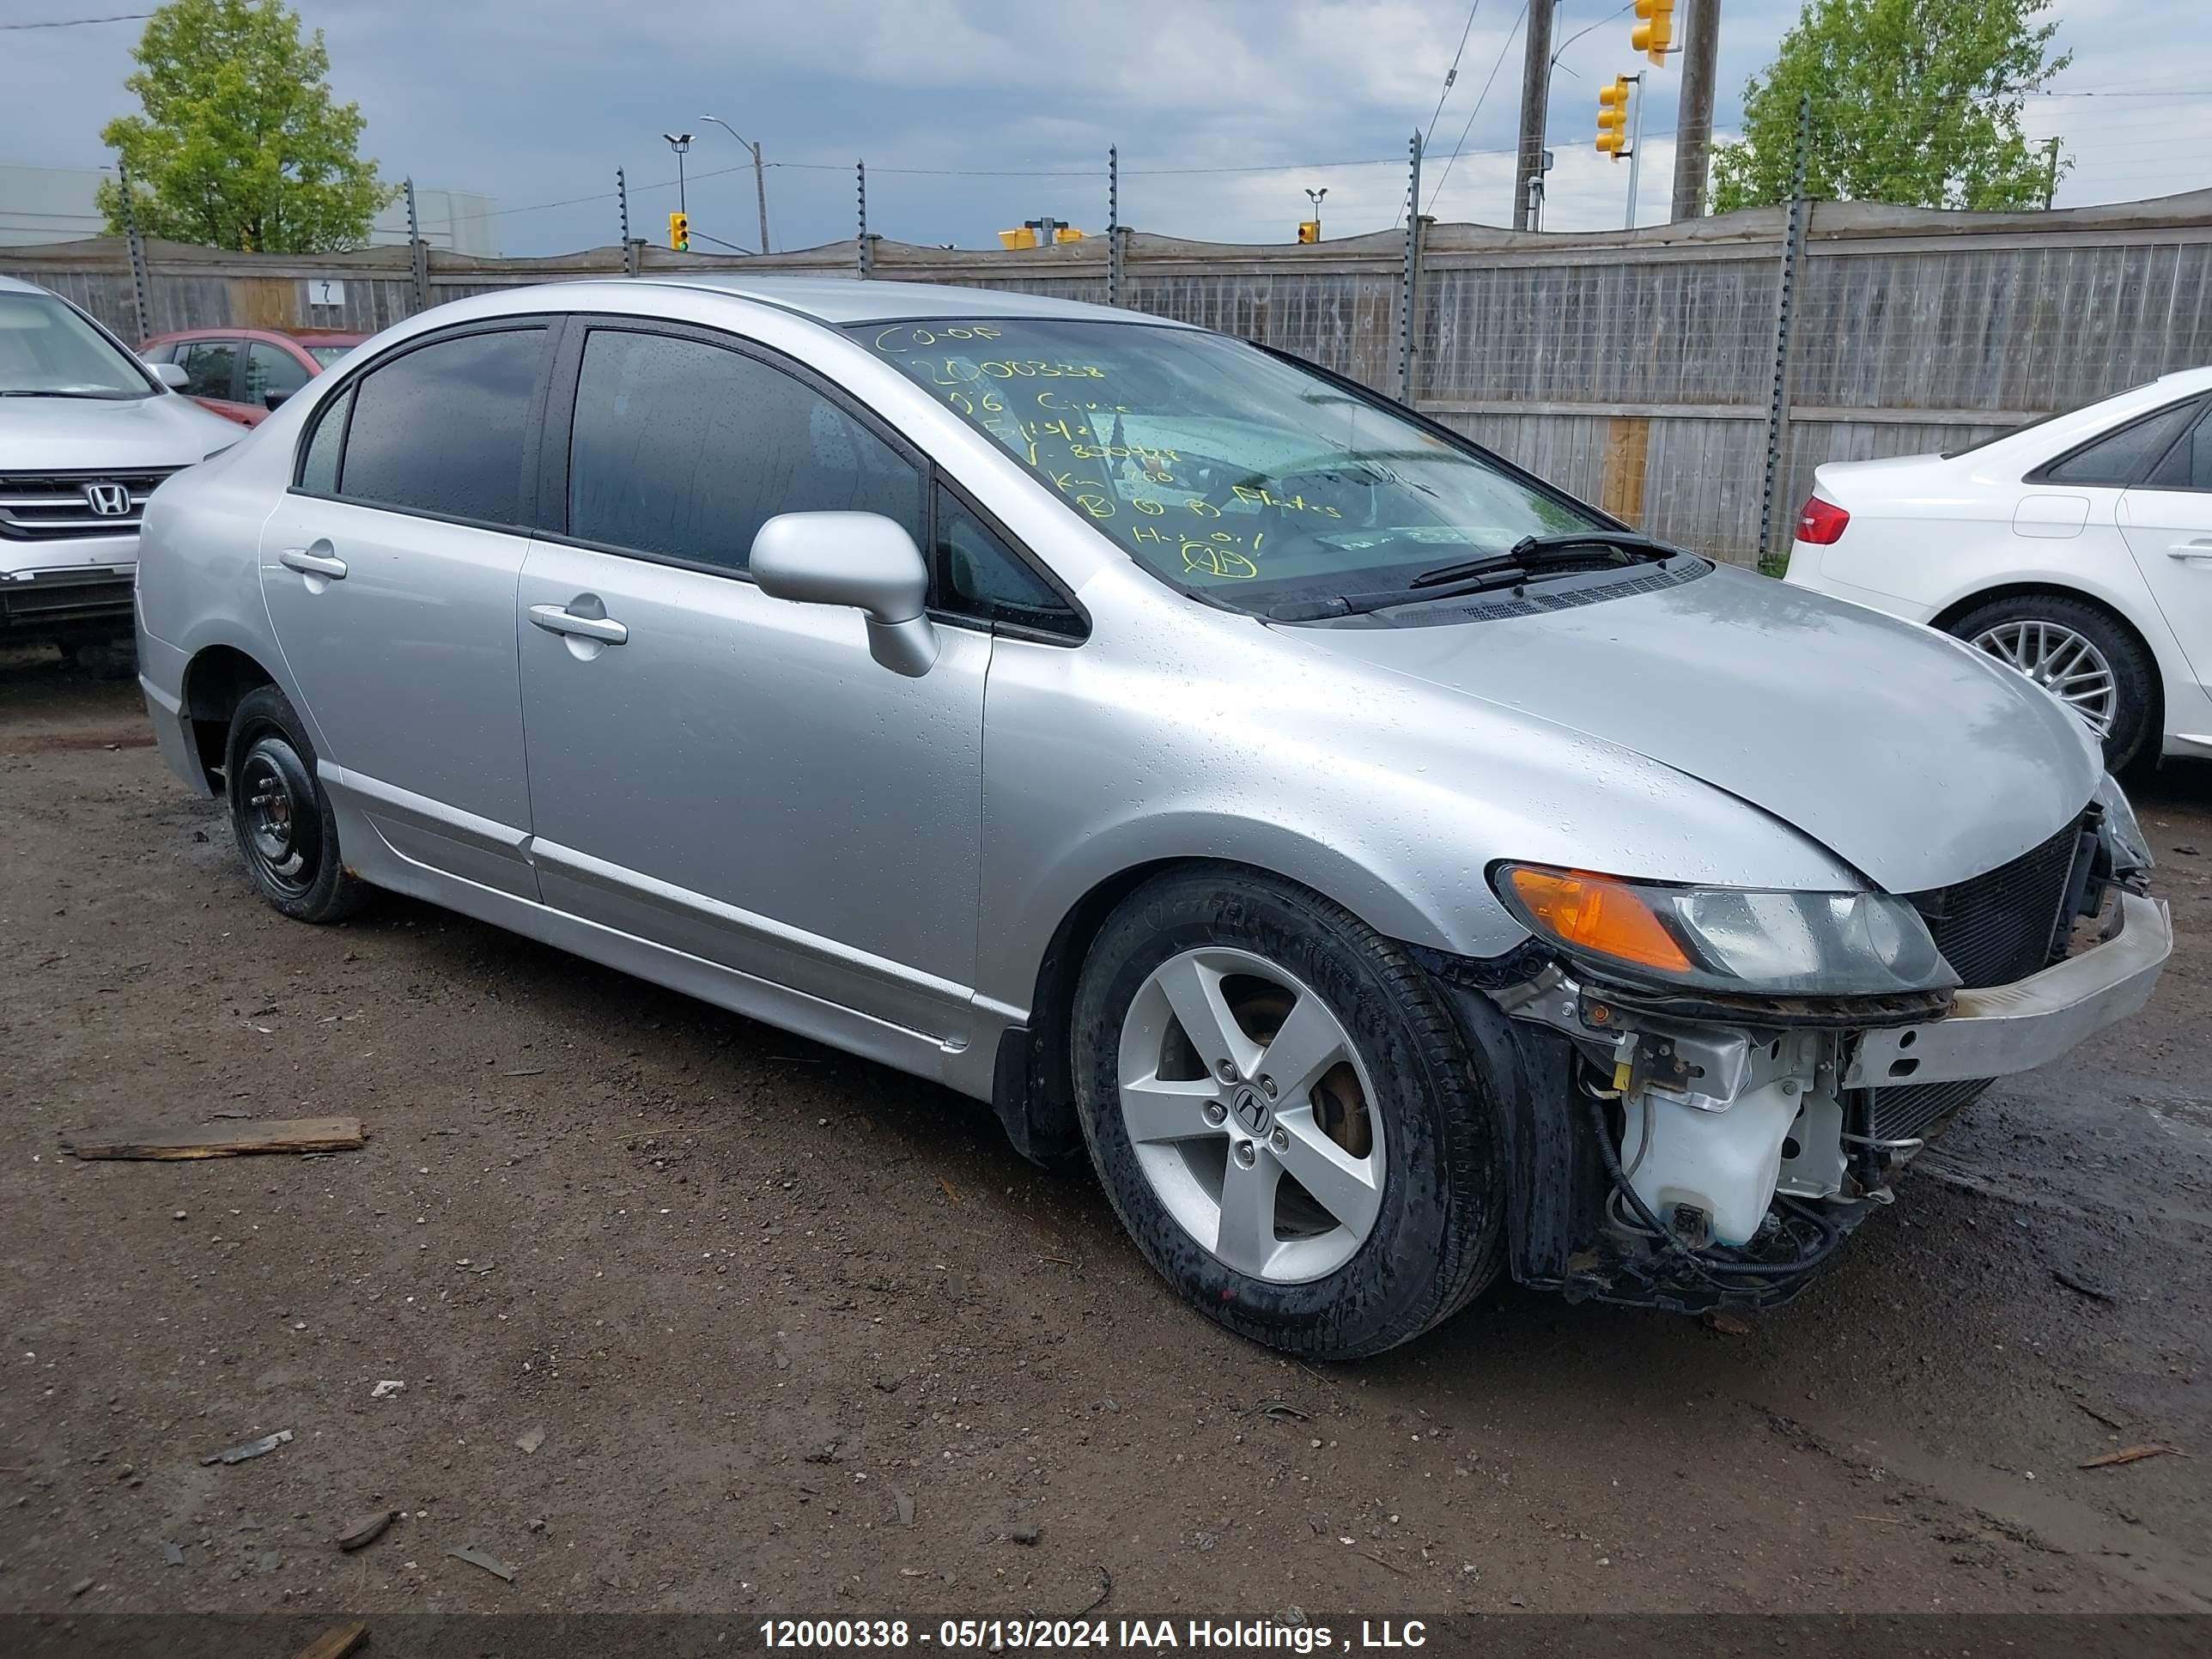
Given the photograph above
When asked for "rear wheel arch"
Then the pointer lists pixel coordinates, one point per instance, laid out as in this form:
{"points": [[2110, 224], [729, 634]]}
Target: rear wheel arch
{"points": [[2153, 720], [216, 680]]}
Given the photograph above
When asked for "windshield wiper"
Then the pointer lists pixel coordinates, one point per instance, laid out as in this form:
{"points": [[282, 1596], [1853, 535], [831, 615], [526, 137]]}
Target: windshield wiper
{"points": [[1525, 561], [27, 393], [1533, 551]]}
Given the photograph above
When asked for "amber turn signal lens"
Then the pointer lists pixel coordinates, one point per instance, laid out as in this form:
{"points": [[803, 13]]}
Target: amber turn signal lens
{"points": [[1598, 915]]}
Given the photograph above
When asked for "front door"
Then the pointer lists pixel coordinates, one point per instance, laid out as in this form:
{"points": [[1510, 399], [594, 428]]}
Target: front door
{"points": [[724, 772], [390, 570]]}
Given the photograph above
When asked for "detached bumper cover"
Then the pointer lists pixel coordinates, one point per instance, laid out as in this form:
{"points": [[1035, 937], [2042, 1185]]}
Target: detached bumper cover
{"points": [[2005, 1028]]}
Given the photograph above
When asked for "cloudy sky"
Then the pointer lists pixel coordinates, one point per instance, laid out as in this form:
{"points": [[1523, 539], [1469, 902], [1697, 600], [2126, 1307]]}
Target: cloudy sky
{"points": [[975, 115]]}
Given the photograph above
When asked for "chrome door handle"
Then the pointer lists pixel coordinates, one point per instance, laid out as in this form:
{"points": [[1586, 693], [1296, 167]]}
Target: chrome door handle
{"points": [[312, 564], [557, 619]]}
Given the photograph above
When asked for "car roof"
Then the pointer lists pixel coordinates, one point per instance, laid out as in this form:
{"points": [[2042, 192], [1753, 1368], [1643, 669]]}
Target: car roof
{"points": [[344, 337], [842, 300]]}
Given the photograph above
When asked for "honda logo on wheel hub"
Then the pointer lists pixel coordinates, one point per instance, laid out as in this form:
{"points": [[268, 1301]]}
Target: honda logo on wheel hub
{"points": [[109, 501], [1251, 1110]]}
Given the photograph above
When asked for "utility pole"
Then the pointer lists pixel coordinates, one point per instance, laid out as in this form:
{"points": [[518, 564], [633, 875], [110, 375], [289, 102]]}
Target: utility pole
{"points": [[1693, 120], [1535, 87], [1635, 143], [2051, 178], [681, 143], [760, 173]]}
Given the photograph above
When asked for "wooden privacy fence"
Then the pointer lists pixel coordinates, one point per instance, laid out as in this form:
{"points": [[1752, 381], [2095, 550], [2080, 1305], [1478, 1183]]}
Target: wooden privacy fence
{"points": [[1656, 371]]}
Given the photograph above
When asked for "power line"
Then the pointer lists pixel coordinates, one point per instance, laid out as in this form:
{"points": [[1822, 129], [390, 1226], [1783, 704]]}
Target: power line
{"points": [[1503, 49], [81, 22], [1450, 75]]}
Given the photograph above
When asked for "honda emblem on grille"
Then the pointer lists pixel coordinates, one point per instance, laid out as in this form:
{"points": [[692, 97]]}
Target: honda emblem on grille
{"points": [[109, 501]]}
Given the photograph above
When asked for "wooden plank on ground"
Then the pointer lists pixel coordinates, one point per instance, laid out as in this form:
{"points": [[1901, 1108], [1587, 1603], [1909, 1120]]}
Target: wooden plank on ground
{"points": [[232, 1139], [336, 1642]]}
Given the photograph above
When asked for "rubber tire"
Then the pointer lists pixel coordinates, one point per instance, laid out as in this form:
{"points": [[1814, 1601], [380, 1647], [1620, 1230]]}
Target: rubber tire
{"points": [[335, 892], [1438, 1240], [2134, 676]]}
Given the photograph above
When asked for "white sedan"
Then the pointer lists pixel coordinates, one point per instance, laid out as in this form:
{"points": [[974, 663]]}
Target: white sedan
{"points": [[2077, 550]]}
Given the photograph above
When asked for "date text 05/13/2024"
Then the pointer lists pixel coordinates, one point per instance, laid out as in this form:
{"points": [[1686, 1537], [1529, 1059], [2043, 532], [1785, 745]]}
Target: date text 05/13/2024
{"points": [[1120, 1634]]}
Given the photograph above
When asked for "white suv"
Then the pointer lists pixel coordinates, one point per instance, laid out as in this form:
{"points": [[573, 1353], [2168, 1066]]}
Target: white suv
{"points": [[2077, 550], [87, 431]]}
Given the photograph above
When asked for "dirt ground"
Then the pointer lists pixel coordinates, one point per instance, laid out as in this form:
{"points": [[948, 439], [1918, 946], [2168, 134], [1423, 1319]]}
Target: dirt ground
{"points": [[793, 1333]]}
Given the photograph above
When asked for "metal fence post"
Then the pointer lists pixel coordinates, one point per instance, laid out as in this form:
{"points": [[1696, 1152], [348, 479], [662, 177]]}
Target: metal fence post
{"points": [[631, 250], [141, 280], [867, 253], [1113, 225], [1410, 285], [418, 254], [1778, 401]]}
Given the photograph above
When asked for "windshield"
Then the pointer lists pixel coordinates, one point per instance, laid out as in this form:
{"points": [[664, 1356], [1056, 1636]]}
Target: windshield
{"points": [[1223, 470], [48, 350]]}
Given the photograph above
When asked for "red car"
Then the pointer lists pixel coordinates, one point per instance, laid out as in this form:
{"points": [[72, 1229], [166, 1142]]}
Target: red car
{"points": [[241, 373]]}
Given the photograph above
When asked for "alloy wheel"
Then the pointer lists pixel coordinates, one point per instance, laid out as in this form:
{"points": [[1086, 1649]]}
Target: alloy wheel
{"points": [[2064, 663], [1250, 1113]]}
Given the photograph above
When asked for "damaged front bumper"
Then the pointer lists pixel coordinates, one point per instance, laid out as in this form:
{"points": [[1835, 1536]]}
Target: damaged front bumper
{"points": [[1717, 1154]]}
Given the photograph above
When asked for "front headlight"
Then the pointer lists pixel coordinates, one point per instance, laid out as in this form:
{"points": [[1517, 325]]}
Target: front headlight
{"points": [[1731, 938], [2123, 830]]}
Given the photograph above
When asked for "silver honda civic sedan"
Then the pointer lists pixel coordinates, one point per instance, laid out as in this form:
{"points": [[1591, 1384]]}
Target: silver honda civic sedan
{"points": [[1389, 872]]}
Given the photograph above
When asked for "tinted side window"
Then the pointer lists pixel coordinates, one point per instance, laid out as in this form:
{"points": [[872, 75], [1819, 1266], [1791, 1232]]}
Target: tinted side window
{"points": [[978, 574], [319, 466], [2188, 464], [2119, 458], [270, 368], [686, 449], [208, 368], [444, 429]]}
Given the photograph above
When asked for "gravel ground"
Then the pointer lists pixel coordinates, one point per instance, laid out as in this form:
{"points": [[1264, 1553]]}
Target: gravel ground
{"points": [[692, 1316]]}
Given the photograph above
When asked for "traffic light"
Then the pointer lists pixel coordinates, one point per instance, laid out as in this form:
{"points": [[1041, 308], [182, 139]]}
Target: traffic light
{"points": [[1309, 230], [1613, 118], [1065, 233], [679, 232], [1655, 33], [1024, 237]]}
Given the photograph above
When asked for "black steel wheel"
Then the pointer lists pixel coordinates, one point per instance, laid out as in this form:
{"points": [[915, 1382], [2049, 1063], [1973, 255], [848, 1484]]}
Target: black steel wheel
{"points": [[280, 816]]}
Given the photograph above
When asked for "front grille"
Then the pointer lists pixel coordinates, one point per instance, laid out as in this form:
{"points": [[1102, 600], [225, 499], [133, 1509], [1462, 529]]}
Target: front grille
{"points": [[38, 506], [1993, 929], [2001, 926]]}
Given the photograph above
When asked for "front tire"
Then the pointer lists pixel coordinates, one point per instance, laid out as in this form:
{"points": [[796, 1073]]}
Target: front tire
{"points": [[1283, 1115], [280, 816], [2081, 653]]}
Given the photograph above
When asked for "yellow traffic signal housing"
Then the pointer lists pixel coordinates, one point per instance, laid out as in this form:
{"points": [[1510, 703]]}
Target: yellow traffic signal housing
{"points": [[1653, 34], [1613, 118], [1309, 230], [1065, 233], [679, 232], [1023, 238]]}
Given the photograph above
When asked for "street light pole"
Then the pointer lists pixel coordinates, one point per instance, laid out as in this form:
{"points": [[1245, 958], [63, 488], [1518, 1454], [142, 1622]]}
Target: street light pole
{"points": [[760, 173], [680, 142], [1635, 144], [1315, 196]]}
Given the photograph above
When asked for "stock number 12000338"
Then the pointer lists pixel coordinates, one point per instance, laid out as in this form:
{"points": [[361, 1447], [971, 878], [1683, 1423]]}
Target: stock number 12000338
{"points": [[991, 1634]]}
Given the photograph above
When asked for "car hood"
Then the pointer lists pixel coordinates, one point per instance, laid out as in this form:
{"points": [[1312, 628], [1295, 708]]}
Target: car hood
{"points": [[1911, 757], [69, 434]]}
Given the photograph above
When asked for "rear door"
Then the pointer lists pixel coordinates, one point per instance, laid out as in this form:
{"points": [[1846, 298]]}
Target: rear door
{"points": [[725, 773], [390, 570], [2167, 520]]}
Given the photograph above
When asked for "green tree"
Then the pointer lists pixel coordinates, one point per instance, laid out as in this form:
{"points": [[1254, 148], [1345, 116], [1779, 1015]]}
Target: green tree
{"points": [[1916, 102], [239, 145]]}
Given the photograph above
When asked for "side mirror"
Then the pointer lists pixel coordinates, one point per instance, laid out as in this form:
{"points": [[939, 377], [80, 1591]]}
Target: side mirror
{"points": [[858, 559], [170, 375], [274, 397]]}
